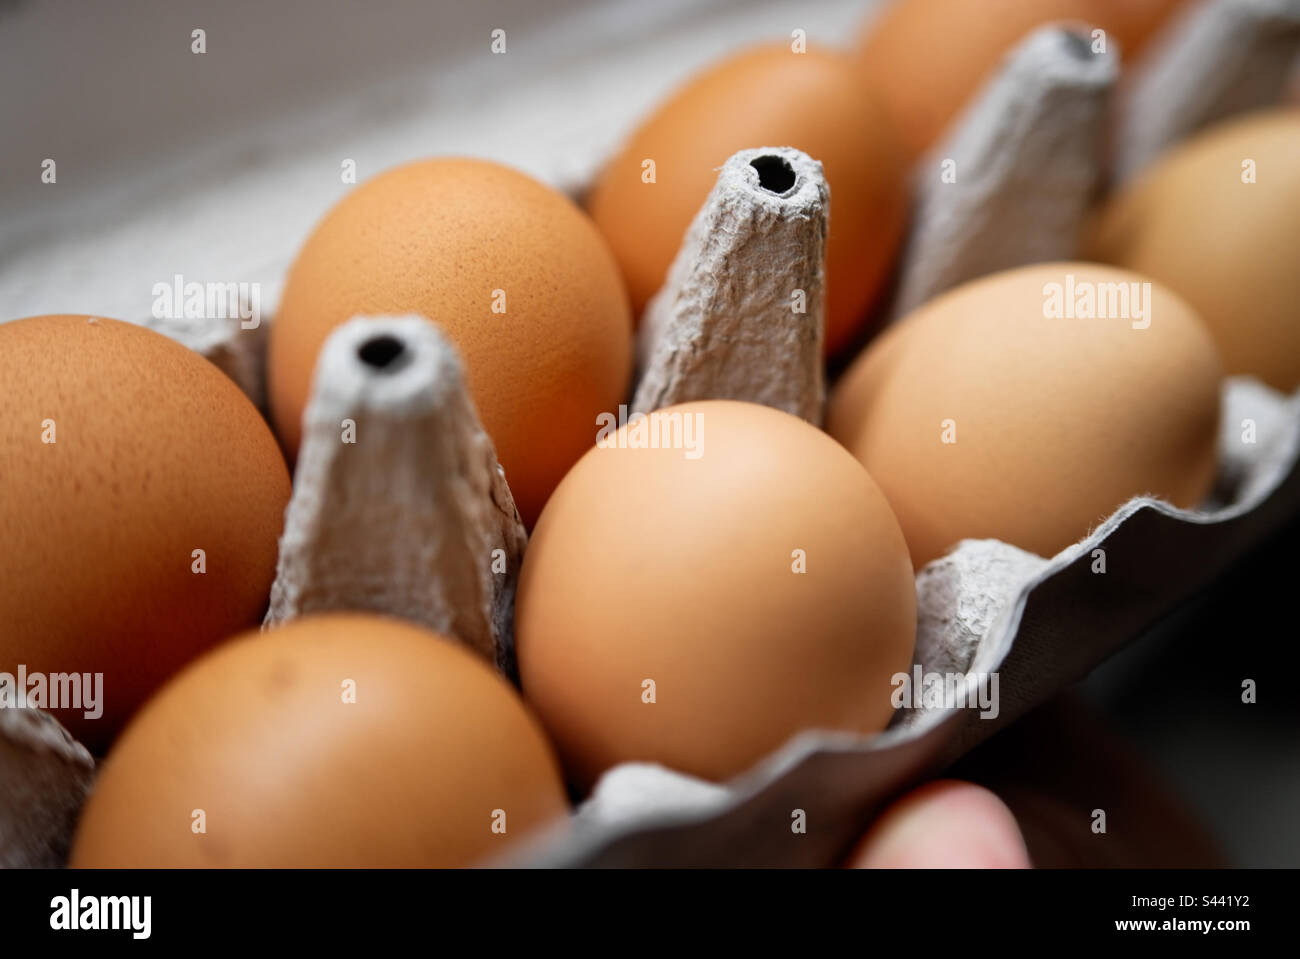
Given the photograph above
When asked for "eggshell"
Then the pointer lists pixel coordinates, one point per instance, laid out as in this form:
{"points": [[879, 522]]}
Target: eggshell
{"points": [[1226, 245], [926, 58], [440, 238], [981, 417], [155, 454], [766, 96], [340, 740], [650, 566]]}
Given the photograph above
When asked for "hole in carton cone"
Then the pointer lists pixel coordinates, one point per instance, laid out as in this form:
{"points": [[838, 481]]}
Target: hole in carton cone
{"points": [[775, 175], [1077, 45], [382, 353]]}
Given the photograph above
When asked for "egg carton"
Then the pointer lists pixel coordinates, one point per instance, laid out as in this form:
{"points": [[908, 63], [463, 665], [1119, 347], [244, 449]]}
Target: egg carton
{"points": [[987, 607], [1032, 153]]}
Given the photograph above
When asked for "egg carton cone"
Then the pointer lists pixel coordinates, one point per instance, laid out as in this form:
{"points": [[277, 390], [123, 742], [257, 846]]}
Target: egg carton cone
{"points": [[742, 314], [399, 504], [1012, 184], [420, 523], [45, 776], [1221, 58]]}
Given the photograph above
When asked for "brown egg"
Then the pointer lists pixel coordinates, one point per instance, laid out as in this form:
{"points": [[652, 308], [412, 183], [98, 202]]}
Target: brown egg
{"points": [[987, 413], [1218, 221], [926, 58], [512, 271], [340, 740], [123, 454], [766, 96], [698, 602]]}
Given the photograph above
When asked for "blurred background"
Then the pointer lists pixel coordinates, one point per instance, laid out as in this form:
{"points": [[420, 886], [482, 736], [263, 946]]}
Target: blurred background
{"points": [[217, 165]]}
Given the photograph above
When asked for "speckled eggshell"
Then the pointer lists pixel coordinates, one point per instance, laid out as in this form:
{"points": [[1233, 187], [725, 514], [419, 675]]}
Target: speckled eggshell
{"points": [[440, 238], [1230, 247], [155, 454], [927, 58], [981, 417], [340, 740], [763, 588], [766, 96]]}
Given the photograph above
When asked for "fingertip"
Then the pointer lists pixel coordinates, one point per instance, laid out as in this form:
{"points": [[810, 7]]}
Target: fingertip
{"points": [[945, 824]]}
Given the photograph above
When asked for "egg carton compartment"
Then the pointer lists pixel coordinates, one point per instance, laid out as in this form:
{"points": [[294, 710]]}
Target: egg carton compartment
{"points": [[987, 607], [1033, 140]]}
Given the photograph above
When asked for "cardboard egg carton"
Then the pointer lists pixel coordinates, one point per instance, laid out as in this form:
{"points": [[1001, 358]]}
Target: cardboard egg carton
{"points": [[986, 608], [1032, 156]]}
